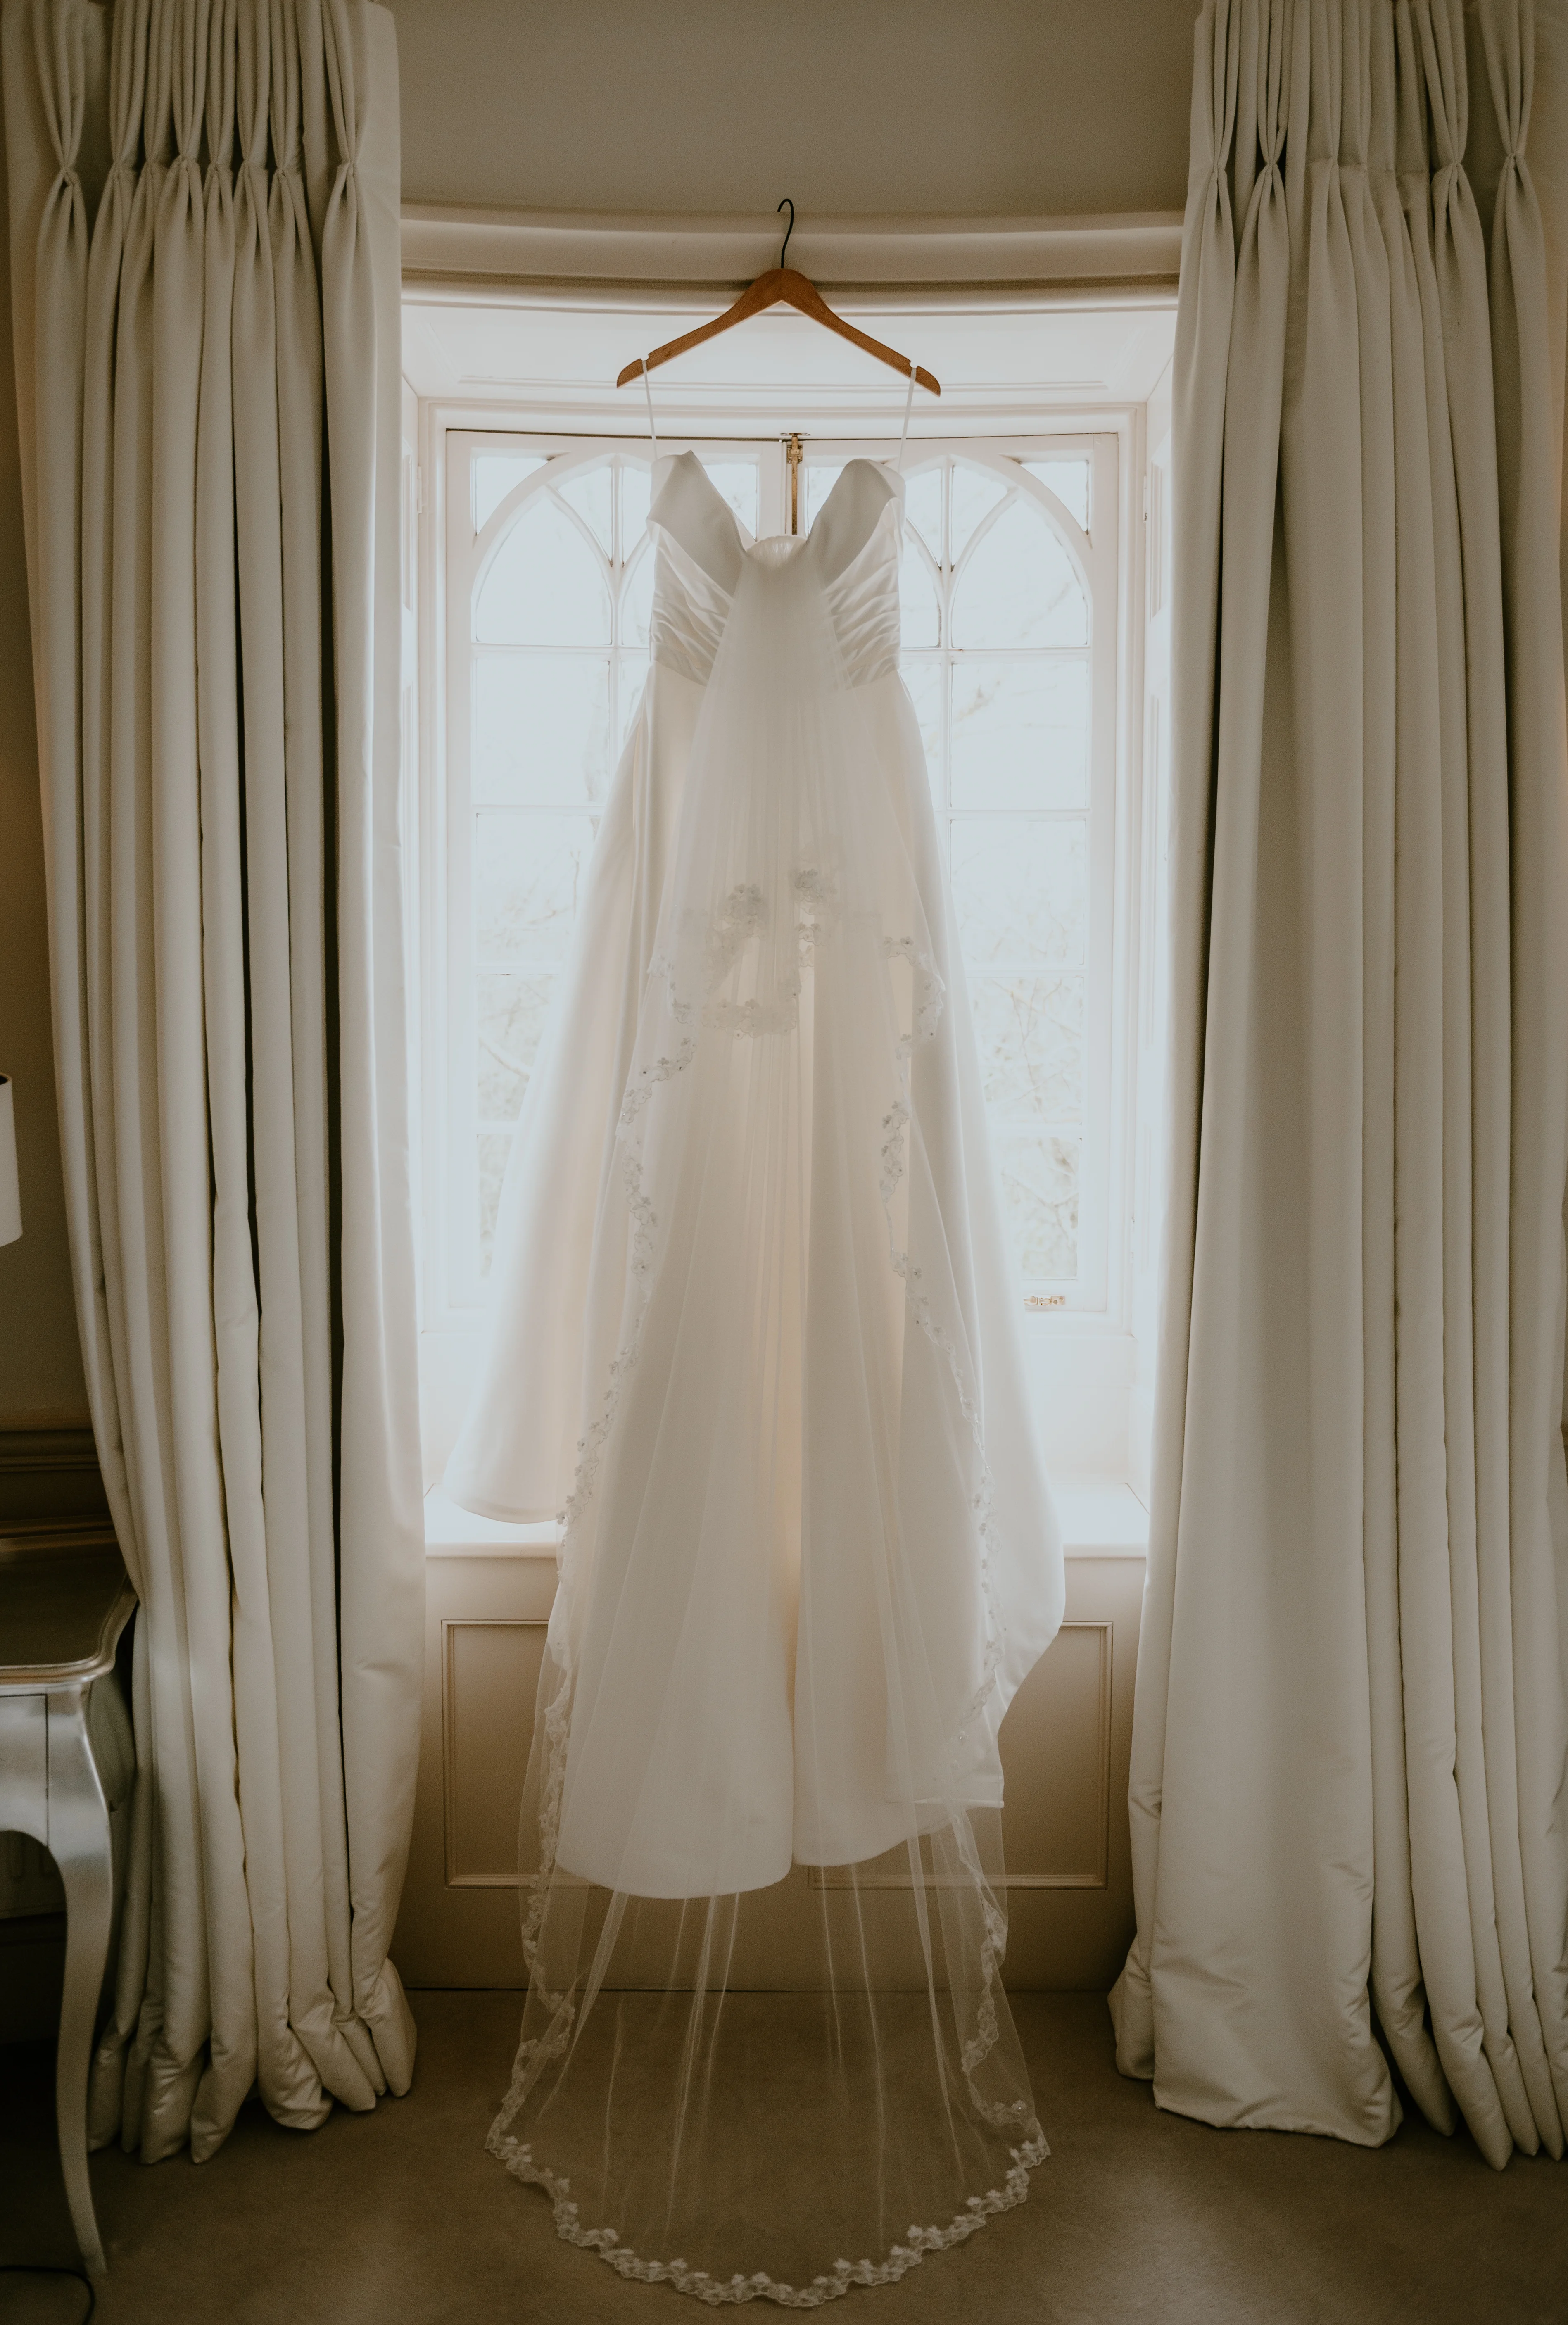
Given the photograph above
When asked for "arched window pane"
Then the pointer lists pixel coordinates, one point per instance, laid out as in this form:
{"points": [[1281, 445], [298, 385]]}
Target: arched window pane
{"points": [[1020, 887], [924, 680], [637, 601], [634, 678], [637, 491], [923, 507], [510, 1007], [540, 729], [528, 874], [975, 493], [544, 587], [920, 619], [491, 1148], [1030, 1028], [588, 493], [1019, 588], [819, 477], [495, 474], [1069, 480], [1020, 732], [1040, 1189], [737, 481]]}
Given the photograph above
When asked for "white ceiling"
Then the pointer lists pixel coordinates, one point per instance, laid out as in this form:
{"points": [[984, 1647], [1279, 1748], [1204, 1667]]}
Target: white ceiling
{"points": [[1001, 360]]}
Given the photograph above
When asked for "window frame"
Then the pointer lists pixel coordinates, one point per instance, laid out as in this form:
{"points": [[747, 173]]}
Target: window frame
{"points": [[1083, 1358]]}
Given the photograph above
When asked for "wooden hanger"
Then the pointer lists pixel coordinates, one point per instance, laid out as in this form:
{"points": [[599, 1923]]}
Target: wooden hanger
{"points": [[780, 286]]}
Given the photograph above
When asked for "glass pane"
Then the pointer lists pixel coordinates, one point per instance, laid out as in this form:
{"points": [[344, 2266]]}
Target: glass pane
{"points": [[1019, 588], [509, 1017], [544, 587], [920, 619], [634, 678], [528, 876], [492, 1148], [637, 601], [975, 493], [923, 507], [494, 475], [1040, 1190], [588, 493], [1069, 480], [924, 680], [1020, 888], [1030, 1029], [737, 481], [636, 486], [541, 728], [1020, 732], [817, 482]]}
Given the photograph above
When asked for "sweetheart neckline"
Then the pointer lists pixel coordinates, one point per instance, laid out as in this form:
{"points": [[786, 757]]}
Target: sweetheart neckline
{"points": [[749, 540]]}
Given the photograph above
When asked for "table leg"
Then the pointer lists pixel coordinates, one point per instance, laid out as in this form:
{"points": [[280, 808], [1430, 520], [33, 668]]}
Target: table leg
{"points": [[78, 1841]]}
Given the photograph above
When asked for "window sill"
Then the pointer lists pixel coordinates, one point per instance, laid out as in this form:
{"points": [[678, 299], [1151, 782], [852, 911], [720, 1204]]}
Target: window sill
{"points": [[452, 1532], [1101, 1517]]}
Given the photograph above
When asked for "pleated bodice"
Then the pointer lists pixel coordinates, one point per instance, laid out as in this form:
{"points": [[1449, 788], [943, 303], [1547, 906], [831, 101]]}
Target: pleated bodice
{"points": [[702, 550]]}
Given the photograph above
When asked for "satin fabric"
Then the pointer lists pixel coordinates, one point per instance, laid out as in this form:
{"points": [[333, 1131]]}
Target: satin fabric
{"points": [[1351, 1744]]}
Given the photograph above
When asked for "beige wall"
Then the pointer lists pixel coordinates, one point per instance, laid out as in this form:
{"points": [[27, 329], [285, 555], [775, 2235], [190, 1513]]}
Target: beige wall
{"points": [[860, 106], [1065, 1747], [1033, 107]]}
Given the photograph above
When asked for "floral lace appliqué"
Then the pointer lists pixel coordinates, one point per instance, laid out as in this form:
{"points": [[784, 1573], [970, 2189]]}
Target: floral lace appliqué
{"points": [[728, 2292]]}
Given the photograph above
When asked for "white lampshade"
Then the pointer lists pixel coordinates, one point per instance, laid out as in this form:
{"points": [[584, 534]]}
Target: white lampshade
{"points": [[10, 1192]]}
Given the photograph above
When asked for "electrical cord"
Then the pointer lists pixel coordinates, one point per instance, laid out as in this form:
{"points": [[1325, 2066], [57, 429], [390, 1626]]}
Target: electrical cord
{"points": [[43, 2268]]}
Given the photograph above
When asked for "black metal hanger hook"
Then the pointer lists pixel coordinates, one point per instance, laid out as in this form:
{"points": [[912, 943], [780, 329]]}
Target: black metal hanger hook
{"points": [[787, 204]]}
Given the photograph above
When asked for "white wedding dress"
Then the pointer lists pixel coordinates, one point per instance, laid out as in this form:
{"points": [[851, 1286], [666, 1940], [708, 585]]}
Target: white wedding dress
{"points": [[756, 1340]]}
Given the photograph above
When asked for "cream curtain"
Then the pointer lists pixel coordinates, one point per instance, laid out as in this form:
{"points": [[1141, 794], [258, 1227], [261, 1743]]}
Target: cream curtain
{"points": [[1351, 1735], [204, 204]]}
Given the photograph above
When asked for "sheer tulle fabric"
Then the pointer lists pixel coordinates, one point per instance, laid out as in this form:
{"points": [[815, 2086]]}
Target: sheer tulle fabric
{"points": [[807, 1551]]}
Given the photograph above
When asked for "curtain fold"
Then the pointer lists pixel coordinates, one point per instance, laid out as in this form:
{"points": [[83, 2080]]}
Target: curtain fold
{"points": [[1351, 1744], [210, 475]]}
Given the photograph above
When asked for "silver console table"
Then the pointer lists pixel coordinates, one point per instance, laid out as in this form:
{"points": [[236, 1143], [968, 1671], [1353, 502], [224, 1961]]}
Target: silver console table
{"points": [[64, 1600]]}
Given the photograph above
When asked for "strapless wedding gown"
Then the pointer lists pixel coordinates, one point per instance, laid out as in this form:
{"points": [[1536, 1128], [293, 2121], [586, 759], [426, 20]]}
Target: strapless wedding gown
{"points": [[758, 1342]]}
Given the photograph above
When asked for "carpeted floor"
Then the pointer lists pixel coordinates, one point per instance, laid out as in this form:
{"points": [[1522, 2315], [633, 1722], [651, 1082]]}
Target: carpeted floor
{"points": [[399, 2217]]}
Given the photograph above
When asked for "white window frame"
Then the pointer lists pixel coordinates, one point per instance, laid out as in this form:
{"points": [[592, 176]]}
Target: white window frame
{"points": [[1084, 1358]]}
